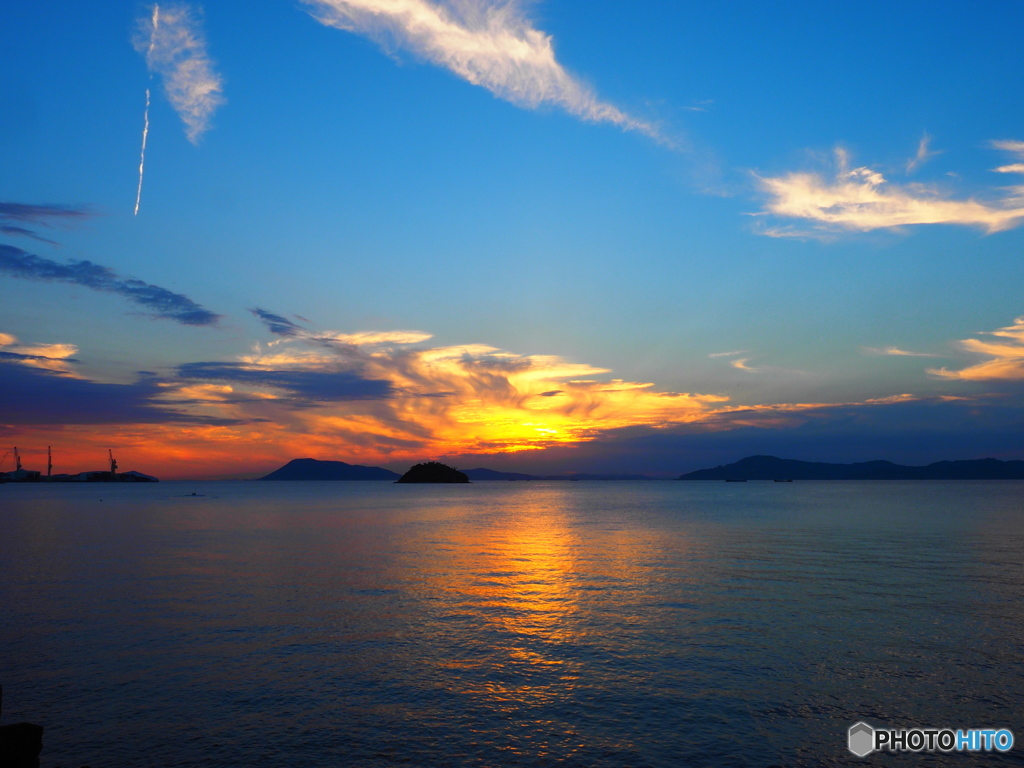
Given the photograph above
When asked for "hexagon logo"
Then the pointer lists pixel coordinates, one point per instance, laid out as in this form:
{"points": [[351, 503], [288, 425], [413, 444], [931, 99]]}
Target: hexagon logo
{"points": [[861, 739]]}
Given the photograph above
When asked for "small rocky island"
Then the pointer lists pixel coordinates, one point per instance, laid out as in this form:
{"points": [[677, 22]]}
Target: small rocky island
{"points": [[312, 469], [433, 472]]}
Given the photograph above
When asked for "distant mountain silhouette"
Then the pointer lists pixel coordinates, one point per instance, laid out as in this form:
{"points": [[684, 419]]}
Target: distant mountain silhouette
{"points": [[312, 469], [481, 473], [433, 472], [772, 468], [585, 476]]}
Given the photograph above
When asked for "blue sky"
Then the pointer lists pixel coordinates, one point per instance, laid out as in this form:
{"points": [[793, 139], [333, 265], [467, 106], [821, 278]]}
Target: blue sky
{"points": [[804, 188]]}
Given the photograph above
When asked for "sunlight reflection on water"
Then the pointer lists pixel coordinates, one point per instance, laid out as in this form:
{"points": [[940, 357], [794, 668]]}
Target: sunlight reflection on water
{"points": [[582, 624]]}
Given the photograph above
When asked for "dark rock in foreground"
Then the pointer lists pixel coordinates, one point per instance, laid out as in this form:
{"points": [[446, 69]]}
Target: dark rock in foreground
{"points": [[772, 468], [433, 472], [312, 469], [20, 745]]}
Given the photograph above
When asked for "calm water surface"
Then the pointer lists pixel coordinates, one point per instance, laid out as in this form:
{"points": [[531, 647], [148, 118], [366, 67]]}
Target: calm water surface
{"points": [[508, 624]]}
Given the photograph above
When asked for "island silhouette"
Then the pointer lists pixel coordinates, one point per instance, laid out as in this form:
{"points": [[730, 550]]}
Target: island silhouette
{"points": [[433, 472], [750, 468], [773, 468], [314, 469]]}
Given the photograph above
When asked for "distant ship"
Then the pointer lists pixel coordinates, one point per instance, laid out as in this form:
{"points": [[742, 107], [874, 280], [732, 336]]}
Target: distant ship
{"points": [[22, 475]]}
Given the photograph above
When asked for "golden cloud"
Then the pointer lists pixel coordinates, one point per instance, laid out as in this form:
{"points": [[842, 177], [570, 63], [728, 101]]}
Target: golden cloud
{"points": [[372, 404], [50, 357], [1005, 356], [455, 399]]}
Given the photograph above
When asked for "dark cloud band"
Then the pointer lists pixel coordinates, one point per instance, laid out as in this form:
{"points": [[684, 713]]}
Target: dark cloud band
{"points": [[42, 214], [308, 386], [8, 229], [40, 397], [280, 326], [159, 301]]}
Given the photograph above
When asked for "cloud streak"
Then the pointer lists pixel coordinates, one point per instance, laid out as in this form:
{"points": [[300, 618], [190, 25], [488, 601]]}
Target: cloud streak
{"points": [[42, 214], [159, 301], [923, 154], [895, 352], [46, 215], [729, 354], [8, 229], [861, 200], [171, 39], [278, 325], [489, 43], [1005, 356], [285, 328]]}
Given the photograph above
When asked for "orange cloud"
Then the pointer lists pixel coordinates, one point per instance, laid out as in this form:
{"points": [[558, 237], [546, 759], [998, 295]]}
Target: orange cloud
{"points": [[50, 357], [373, 404], [1005, 356], [443, 400]]}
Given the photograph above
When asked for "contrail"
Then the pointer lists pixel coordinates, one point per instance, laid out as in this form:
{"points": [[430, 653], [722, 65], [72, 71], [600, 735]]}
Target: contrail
{"points": [[142, 157], [145, 122]]}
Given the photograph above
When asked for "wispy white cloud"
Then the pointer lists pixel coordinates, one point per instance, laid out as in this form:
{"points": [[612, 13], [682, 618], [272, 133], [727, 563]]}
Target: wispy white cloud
{"points": [[895, 352], [1013, 147], [740, 363], [1005, 356], [1008, 145], [923, 154], [700, 106], [729, 354], [861, 199], [172, 40], [490, 43]]}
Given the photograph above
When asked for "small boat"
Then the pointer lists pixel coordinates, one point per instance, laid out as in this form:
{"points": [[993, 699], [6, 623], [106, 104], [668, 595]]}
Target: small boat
{"points": [[790, 480]]}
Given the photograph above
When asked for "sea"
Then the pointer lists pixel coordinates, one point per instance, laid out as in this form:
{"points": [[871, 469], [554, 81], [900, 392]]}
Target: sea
{"points": [[589, 624]]}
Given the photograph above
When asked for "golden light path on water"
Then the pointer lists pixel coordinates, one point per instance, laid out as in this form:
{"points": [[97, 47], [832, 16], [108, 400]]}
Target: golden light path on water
{"points": [[584, 625], [537, 592]]}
